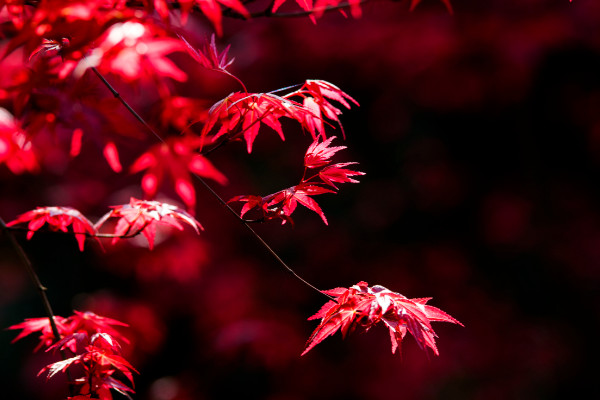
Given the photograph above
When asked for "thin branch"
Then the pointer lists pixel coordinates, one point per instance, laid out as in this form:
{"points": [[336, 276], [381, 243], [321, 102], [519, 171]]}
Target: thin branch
{"points": [[41, 289], [127, 106], [212, 192]]}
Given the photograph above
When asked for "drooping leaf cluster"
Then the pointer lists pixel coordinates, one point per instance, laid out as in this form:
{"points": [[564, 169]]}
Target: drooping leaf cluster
{"points": [[282, 204], [138, 216], [89, 341]]}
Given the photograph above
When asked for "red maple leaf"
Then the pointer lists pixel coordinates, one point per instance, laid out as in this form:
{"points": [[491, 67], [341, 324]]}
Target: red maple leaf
{"points": [[142, 216], [319, 153], [134, 50], [42, 325], [82, 21], [306, 5], [92, 323], [362, 306], [284, 202], [70, 329], [337, 173], [99, 359], [208, 56], [178, 157], [58, 219], [212, 10], [242, 114], [251, 202], [322, 5], [316, 96], [15, 148]]}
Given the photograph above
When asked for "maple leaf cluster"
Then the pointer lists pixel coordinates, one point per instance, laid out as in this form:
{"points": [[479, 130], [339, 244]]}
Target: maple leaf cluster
{"points": [[136, 217], [282, 204], [362, 306], [241, 114], [93, 343], [57, 219]]}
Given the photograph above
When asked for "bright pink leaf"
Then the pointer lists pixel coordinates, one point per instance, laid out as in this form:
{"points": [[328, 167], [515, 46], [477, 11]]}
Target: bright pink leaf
{"points": [[337, 173], [319, 153], [316, 96], [362, 306], [285, 201], [42, 325], [58, 219], [212, 10], [208, 56], [133, 50], [241, 114], [177, 157], [142, 216], [15, 148]]}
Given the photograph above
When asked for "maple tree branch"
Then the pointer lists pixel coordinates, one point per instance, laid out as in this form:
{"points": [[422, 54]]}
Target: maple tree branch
{"points": [[41, 289], [212, 192], [258, 237], [117, 95], [33, 276]]}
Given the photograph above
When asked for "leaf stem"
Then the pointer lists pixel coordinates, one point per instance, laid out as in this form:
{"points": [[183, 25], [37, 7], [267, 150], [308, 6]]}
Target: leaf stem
{"points": [[117, 95]]}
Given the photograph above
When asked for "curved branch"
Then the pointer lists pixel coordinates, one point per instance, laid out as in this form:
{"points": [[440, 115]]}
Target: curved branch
{"points": [[41, 289]]}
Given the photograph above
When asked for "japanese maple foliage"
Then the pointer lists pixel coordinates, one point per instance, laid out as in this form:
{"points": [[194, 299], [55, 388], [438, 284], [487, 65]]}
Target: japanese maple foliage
{"points": [[100, 359], [16, 150], [177, 157], [142, 216], [58, 219], [241, 114], [362, 306], [80, 322], [93, 343], [59, 98], [284, 202]]}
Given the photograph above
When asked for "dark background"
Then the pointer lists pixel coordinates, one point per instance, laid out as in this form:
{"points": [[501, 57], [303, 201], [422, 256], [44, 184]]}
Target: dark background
{"points": [[479, 133]]}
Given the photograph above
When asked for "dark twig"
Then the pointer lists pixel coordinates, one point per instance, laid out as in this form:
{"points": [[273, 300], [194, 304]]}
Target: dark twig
{"points": [[41, 291]]}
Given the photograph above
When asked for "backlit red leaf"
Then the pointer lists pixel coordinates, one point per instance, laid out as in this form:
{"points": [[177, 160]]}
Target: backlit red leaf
{"points": [[58, 219], [363, 306], [177, 158], [142, 216]]}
